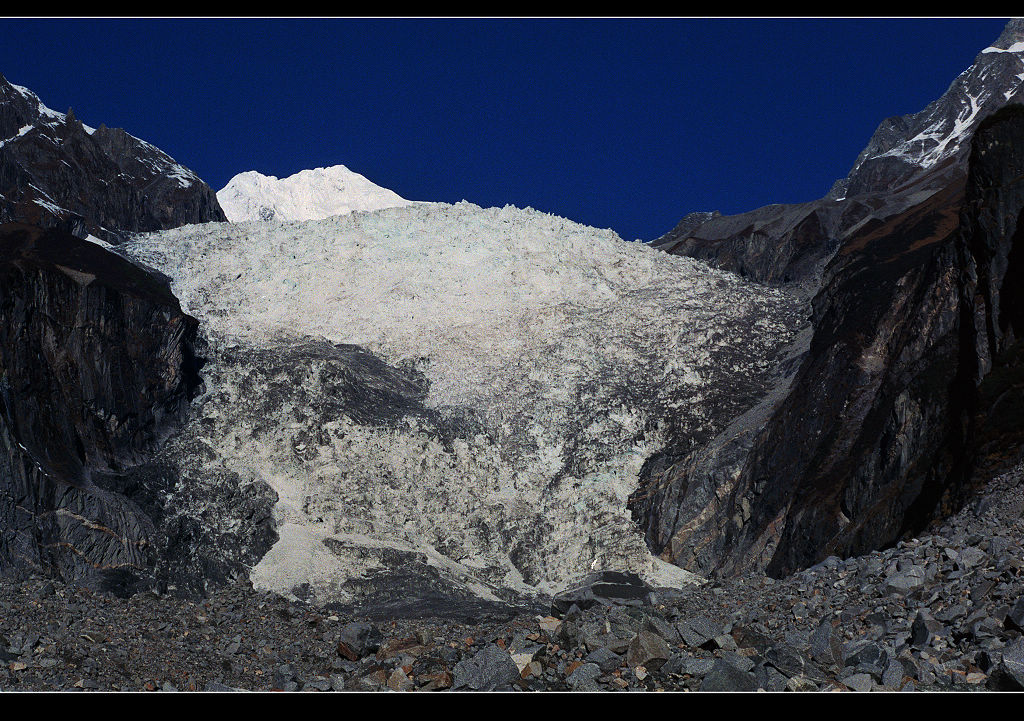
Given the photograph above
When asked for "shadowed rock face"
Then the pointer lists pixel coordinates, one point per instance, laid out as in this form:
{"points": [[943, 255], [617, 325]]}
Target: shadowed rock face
{"points": [[790, 244], [55, 172], [96, 368], [876, 434]]}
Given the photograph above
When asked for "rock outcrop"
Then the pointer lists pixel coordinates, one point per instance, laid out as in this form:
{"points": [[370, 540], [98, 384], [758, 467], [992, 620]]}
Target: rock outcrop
{"points": [[791, 244], [97, 367], [56, 172]]}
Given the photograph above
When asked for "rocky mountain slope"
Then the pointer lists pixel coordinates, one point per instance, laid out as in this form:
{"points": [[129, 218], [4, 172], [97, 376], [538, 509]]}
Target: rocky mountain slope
{"points": [[98, 370], [308, 195], [456, 411], [877, 432], [940, 612], [96, 367], [56, 172]]}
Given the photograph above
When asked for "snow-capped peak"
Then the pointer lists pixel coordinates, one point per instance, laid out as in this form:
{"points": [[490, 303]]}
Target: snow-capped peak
{"points": [[308, 195]]}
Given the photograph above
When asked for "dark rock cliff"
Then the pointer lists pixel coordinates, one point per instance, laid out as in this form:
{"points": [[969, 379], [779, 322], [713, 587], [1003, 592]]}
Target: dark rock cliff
{"points": [[96, 368], [790, 244], [57, 173], [914, 346]]}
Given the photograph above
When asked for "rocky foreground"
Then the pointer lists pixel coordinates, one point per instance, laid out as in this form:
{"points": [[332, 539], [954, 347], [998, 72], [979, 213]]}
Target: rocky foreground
{"points": [[940, 612]]}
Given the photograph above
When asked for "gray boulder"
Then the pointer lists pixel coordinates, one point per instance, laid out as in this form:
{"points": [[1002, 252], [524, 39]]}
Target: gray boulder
{"points": [[584, 678], [490, 669], [724, 676], [905, 582]]}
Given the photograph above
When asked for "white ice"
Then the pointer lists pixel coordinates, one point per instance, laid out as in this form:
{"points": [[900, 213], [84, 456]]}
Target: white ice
{"points": [[543, 327]]}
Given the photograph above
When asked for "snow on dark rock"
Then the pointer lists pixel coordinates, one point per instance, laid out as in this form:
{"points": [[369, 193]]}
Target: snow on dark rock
{"points": [[95, 183]]}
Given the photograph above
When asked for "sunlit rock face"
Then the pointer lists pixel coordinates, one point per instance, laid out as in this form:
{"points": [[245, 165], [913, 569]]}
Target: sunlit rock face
{"points": [[456, 400]]}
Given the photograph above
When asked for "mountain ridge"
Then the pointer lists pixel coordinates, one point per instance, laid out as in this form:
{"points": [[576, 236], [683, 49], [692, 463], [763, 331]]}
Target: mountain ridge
{"points": [[876, 433], [906, 158], [100, 182], [904, 146]]}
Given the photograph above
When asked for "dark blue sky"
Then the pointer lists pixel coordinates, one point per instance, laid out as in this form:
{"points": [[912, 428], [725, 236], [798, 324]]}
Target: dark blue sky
{"points": [[627, 124]]}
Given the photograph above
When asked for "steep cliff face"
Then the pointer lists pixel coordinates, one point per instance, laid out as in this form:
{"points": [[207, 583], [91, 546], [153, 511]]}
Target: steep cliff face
{"points": [[876, 434], [56, 172], [993, 225], [97, 368]]}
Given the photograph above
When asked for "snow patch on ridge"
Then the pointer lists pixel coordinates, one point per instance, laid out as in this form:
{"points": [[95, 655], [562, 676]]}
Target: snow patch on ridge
{"points": [[942, 129], [940, 140], [1015, 48], [45, 112], [164, 164], [24, 129]]}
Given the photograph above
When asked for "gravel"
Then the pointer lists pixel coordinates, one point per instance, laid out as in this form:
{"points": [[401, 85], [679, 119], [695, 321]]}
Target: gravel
{"points": [[843, 625]]}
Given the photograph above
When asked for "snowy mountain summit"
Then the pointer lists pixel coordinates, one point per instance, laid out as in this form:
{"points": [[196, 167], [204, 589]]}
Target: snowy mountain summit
{"points": [[308, 195]]}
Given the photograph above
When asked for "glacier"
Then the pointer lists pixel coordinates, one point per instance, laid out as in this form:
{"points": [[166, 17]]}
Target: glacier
{"points": [[458, 396]]}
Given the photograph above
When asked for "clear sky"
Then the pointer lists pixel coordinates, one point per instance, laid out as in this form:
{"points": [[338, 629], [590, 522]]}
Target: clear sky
{"points": [[627, 124]]}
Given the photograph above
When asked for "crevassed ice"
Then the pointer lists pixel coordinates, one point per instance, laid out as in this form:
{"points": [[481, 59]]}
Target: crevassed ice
{"points": [[571, 346]]}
